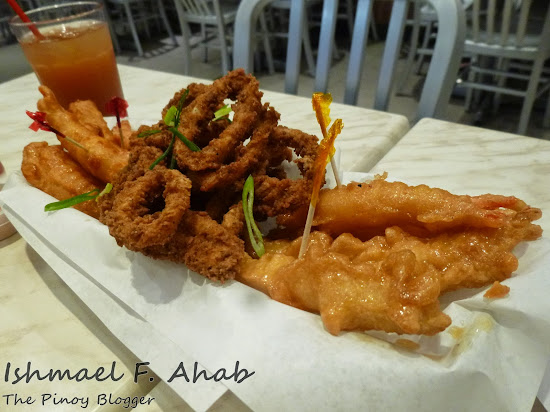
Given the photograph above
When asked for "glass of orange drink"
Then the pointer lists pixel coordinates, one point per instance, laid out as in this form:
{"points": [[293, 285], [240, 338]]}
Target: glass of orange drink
{"points": [[70, 49]]}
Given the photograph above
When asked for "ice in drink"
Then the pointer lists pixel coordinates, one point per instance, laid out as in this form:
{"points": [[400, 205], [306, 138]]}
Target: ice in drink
{"points": [[76, 61]]}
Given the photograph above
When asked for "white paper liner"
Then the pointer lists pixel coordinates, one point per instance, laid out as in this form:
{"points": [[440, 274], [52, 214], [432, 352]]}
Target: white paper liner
{"points": [[140, 337], [498, 365]]}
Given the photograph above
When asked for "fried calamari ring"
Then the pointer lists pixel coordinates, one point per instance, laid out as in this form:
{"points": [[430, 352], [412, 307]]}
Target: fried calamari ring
{"points": [[246, 157], [275, 196], [197, 115], [191, 91], [204, 245], [148, 210]]}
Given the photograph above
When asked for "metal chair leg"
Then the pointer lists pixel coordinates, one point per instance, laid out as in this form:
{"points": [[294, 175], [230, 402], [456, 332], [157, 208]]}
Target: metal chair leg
{"points": [[546, 119], [307, 48], [447, 54], [530, 95], [133, 28], [162, 12], [391, 53], [294, 45], [357, 51], [412, 49], [267, 44], [324, 54]]}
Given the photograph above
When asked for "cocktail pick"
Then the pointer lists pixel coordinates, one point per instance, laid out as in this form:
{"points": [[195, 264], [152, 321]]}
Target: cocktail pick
{"points": [[40, 123], [24, 18], [117, 106], [326, 150], [321, 106]]}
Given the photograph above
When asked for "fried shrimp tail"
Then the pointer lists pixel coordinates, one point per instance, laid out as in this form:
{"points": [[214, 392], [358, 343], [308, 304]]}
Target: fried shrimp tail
{"points": [[53, 171], [89, 115], [102, 158], [366, 209]]}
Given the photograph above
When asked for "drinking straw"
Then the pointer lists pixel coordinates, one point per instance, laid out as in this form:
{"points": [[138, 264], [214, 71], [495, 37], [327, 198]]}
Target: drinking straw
{"points": [[24, 18]]}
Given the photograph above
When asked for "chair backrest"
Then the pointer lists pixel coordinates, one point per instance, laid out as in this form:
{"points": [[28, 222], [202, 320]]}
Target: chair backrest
{"points": [[508, 22], [199, 11], [441, 74], [197, 7]]}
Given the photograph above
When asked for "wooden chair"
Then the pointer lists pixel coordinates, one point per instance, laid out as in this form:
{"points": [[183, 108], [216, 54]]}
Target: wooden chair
{"points": [[509, 42], [441, 75]]}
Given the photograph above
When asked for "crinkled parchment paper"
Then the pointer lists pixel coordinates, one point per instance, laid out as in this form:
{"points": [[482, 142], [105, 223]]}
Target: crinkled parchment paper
{"points": [[492, 358]]}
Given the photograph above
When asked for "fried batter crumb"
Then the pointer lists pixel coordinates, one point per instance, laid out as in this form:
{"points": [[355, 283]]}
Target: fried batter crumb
{"points": [[497, 291]]}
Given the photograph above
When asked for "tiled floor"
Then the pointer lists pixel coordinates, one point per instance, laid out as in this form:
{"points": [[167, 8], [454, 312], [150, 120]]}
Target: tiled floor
{"points": [[162, 55]]}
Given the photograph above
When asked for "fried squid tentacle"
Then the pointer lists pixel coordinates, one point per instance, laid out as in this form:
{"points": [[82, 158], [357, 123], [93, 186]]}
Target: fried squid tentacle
{"points": [[204, 245], [281, 195]]}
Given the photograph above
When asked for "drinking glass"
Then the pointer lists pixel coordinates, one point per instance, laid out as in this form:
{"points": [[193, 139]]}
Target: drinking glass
{"points": [[71, 51]]}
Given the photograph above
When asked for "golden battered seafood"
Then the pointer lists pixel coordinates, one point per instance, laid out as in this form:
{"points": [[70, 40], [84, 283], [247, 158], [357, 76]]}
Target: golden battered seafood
{"points": [[354, 286], [366, 209], [380, 254], [88, 114], [204, 245], [470, 258], [392, 282], [102, 158], [53, 171]]}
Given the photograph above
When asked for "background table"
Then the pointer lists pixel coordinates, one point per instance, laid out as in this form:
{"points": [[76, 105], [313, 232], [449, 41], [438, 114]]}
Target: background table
{"points": [[471, 160], [43, 321]]}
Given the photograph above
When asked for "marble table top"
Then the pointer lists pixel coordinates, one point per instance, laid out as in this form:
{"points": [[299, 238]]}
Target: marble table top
{"points": [[45, 323], [471, 160]]}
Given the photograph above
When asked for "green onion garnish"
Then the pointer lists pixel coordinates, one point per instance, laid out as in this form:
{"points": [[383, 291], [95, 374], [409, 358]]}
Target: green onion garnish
{"points": [[254, 233], [222, 113], [162, 156], [148, 133], [170, 116], [107, 189], [75, 200], [185, 140], [180, 107]]}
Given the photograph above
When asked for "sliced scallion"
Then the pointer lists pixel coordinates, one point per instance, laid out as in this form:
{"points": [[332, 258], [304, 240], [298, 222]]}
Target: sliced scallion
{"points": [[254, 233]]}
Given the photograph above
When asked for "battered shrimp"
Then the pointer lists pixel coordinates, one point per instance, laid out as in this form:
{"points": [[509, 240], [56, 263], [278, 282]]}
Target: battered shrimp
{"points": [[102, 158]]}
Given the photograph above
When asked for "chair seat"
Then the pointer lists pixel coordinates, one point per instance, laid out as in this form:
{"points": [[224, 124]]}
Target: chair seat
{"points": [[510, 52], [228, 17], [528, 51]]}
